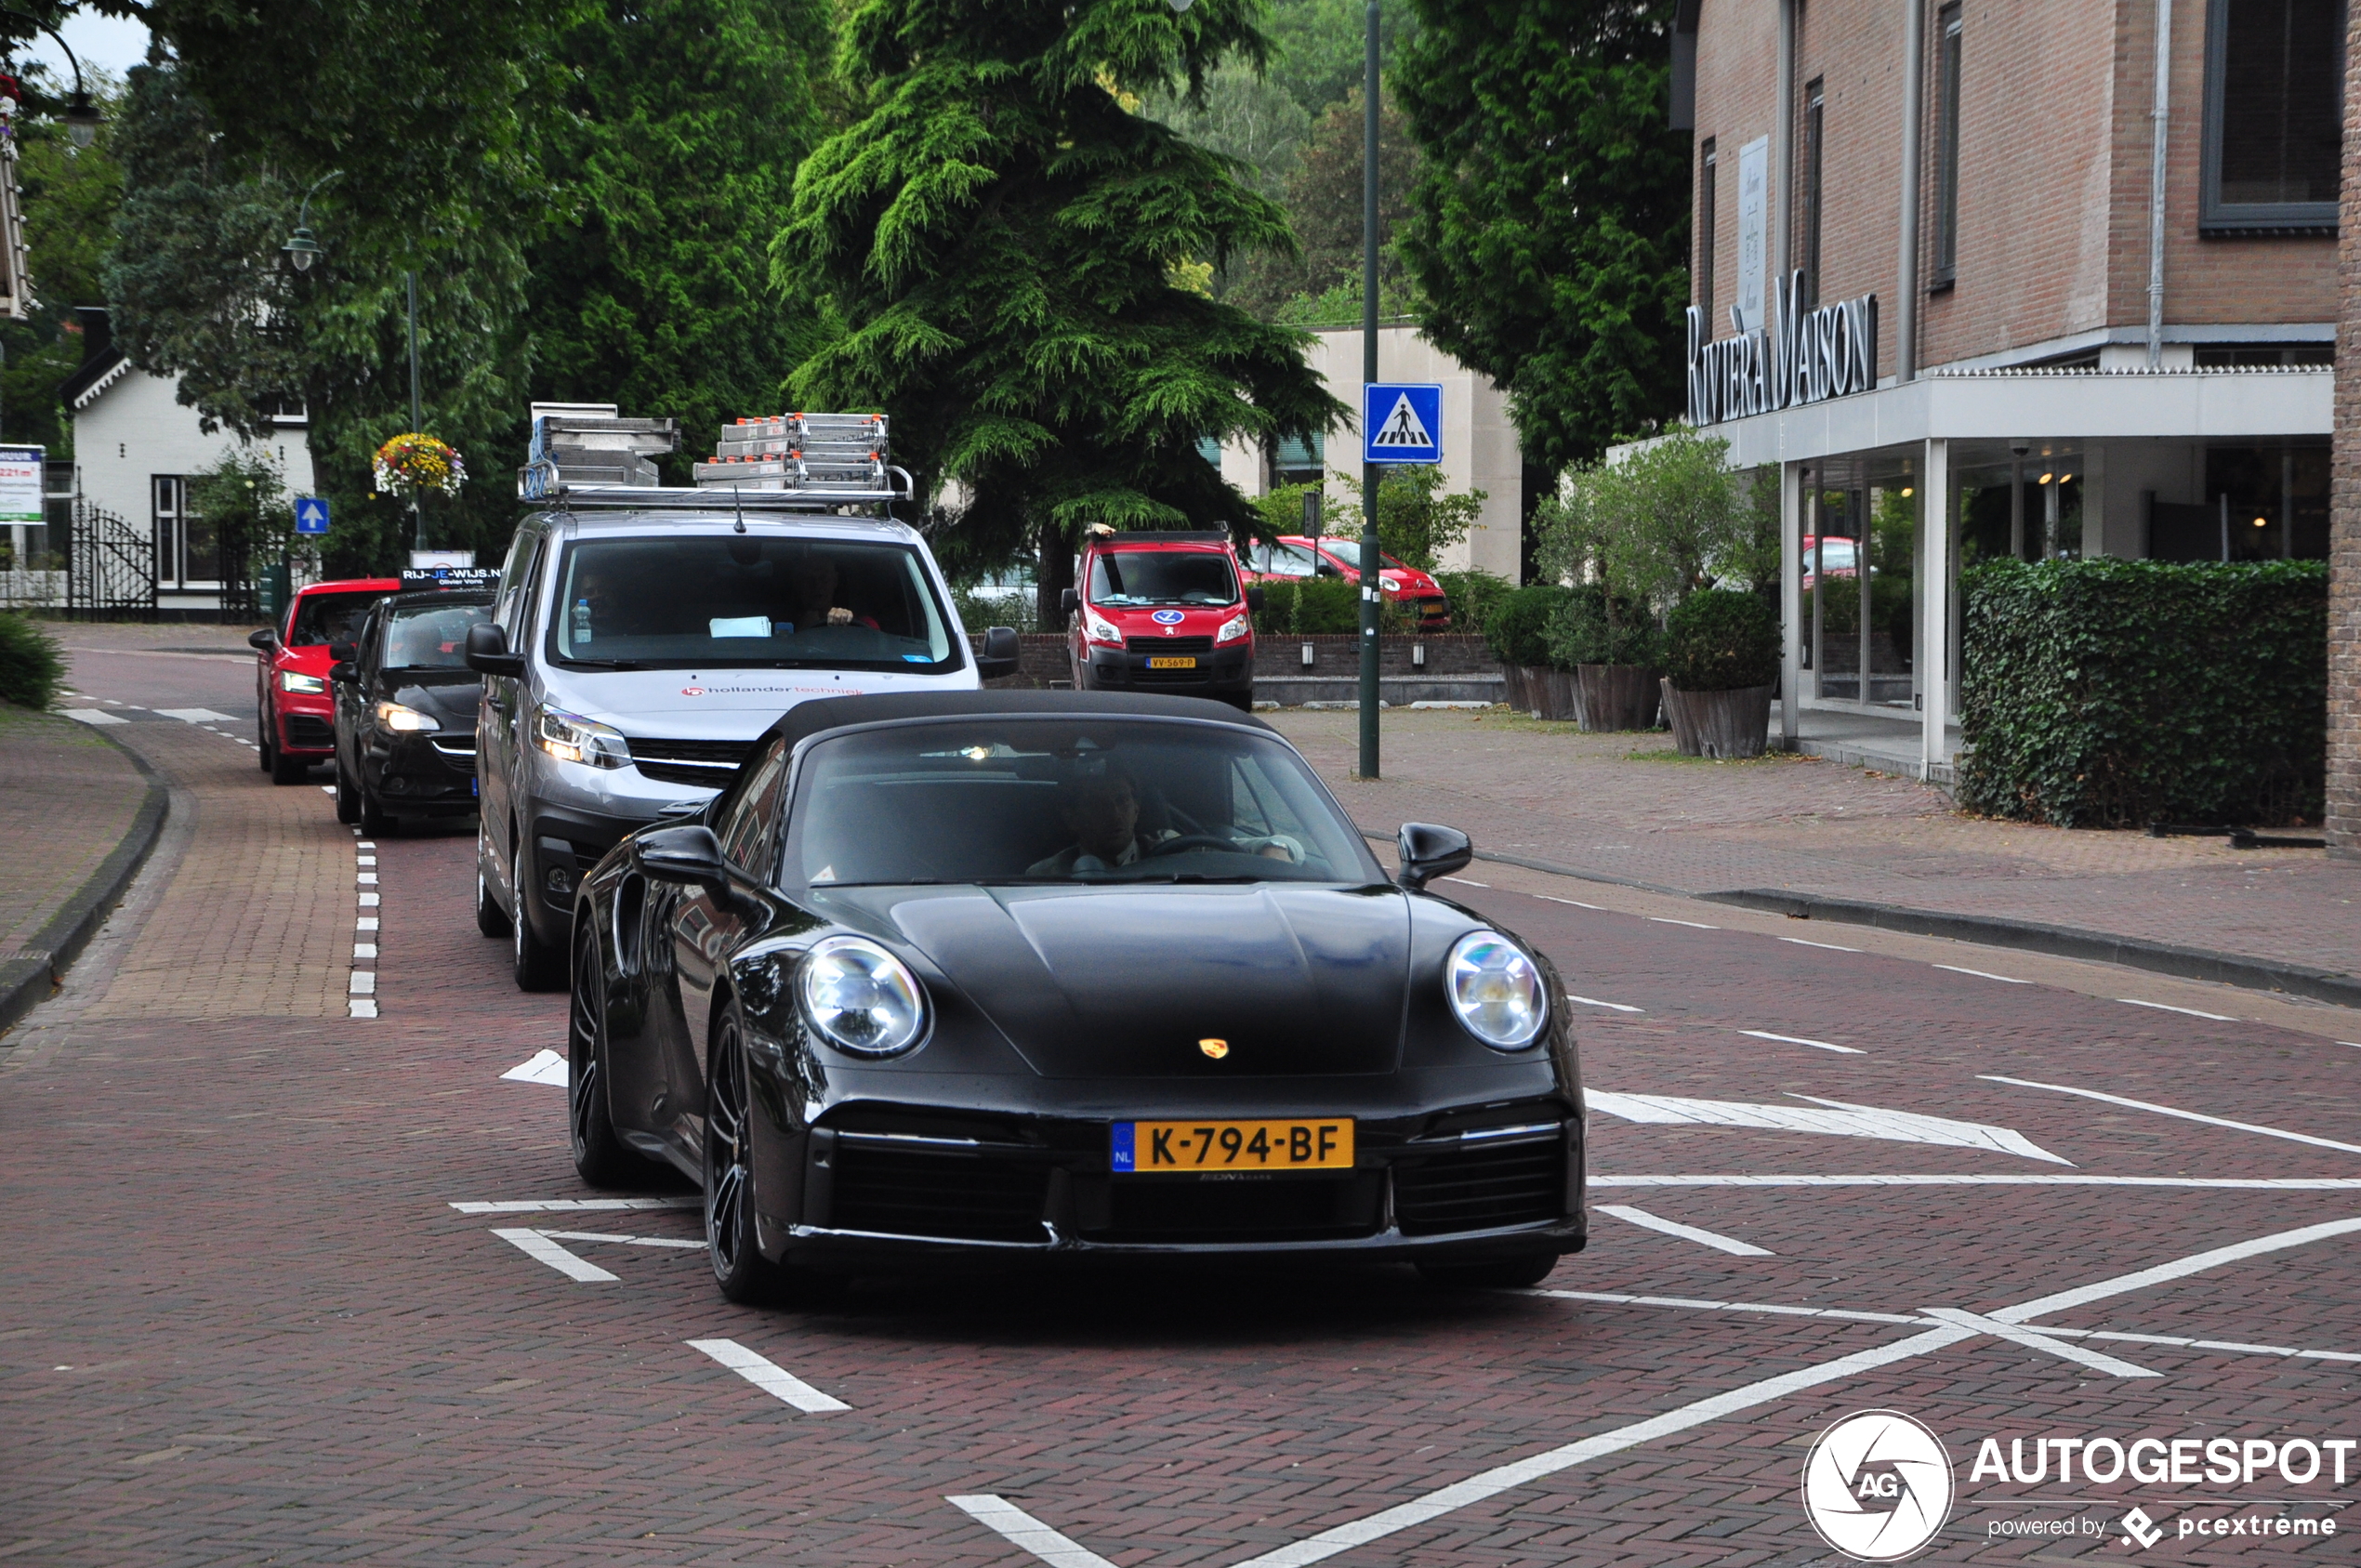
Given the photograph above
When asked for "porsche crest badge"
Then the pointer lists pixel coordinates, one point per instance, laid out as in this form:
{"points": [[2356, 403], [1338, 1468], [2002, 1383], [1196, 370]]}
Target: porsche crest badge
{"points": [[1214, 1049]]}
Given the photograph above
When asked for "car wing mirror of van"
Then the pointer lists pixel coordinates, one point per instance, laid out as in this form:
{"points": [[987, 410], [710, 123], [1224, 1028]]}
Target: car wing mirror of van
{"points": [[688, 853], [1000, 655], [266, 639], [487, 651], [1069, 601], [1427, 851], [1254, 598]]}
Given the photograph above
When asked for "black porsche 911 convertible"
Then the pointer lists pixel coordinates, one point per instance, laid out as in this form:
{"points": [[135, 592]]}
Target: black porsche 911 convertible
{"points": [[1067, 974]]}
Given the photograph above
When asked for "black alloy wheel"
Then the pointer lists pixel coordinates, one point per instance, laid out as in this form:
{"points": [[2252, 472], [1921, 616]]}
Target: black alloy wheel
{"points": [[739, 1267], [533, 960], [490, 919], [348, 801], [1508, 1273], [265, 753], [374, 820], [601, 1157]]}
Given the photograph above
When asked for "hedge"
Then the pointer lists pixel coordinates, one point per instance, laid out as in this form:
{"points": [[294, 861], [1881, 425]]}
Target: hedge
{"points": [[32, 668], [1517, 630], [2122, 693]]}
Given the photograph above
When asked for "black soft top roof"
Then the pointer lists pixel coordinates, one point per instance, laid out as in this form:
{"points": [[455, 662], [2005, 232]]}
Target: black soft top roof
{"points": [[809, 718], [418, 598]]}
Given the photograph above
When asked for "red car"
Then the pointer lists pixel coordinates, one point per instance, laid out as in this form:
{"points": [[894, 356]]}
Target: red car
{"points": [[294, 714], [1335, 555], [1163, 612]]}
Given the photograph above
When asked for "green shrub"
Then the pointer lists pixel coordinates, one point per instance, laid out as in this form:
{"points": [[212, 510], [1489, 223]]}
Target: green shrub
{"points": [[1518, 628], [31, 666], [1310, 607], [1580, 632], [1718, 640], [1474, 596], [2121, 693]]}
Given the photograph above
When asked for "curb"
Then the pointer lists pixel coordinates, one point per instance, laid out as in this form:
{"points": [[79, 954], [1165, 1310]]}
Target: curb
{"points": [[27, 979], [2060, 942]]}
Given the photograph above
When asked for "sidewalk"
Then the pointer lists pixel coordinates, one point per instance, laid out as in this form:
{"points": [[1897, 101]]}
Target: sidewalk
{"points": [[77, 815], [1625, 808]]}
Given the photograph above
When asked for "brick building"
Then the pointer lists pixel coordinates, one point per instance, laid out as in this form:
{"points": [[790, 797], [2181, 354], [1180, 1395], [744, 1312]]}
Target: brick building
{"points": [[1982, 279], [2344, 546]]}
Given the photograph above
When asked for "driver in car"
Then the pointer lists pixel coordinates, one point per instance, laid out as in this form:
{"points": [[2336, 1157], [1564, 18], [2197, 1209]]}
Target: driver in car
{"points": [[1102, 812]]}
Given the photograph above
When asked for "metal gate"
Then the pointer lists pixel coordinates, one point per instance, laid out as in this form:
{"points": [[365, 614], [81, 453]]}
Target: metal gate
{"points": [[110, 573]]}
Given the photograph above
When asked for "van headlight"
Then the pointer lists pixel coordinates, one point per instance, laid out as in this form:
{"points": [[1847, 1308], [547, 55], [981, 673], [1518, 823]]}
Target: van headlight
{"points": [[1234, 628], [569, 737], [861, 998], [1496, 991]]}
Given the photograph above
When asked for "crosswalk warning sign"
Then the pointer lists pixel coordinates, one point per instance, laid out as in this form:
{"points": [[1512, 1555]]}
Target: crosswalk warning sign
{"points": [[1403, 423]]}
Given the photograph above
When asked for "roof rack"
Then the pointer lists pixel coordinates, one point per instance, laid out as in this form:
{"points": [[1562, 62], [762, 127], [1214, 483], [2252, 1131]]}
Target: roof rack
{"points": [[584, 456]]}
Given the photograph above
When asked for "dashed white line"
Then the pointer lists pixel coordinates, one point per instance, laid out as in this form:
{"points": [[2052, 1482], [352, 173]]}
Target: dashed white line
{"points": [[327, 789], [1799, 1040], [1694, 924], [566, 1205], [673, 1242], [1464, 881], [1022, 1529], [1612, 1007], [360, 1006], [2184, 1115], [1577, 902], [2168, 1008], [2035, 1339], [1983, 974], [1831, 946], [92, 715], [772, 1379], [366, 923], [1643, 1219], [361, 950], [535, 1246], [364, 983], [368, 901]]}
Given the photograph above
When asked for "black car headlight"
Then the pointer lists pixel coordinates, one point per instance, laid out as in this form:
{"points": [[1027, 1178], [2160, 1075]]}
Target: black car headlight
{"points": [[860, 997], [1496, 991]]}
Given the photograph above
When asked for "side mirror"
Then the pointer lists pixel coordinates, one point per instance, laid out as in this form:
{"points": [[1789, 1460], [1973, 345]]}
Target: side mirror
{"points": [[342, 652], [688, 853], [1000, 655], [1427, 851], [487, 651], [1254, 598], [1069, 602], [341, 673], [264, 641]]}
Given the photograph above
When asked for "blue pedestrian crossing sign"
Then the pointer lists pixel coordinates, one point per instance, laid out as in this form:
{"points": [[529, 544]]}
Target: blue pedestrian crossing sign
{"points": [[311, 514], [1400, 421]]}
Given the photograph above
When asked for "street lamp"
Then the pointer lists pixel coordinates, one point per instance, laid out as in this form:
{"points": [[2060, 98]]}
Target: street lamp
{"points": [[1369, 595], [82, 116], [301, 247]]}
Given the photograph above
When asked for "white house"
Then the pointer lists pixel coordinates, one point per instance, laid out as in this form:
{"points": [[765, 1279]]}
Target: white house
{"points": [[135, 448]]}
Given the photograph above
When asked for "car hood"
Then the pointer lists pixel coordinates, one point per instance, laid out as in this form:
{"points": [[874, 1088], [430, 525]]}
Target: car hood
{"points": [[450, 695], [715, 704], [1126, 982]]}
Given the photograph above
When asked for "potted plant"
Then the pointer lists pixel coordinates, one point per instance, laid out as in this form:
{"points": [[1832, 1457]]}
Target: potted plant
{"points": [[1722, 663], [1517, 634], [1610, 647]]}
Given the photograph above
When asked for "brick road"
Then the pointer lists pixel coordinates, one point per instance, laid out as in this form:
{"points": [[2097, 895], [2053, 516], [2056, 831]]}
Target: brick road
{"points": [[242, 1322]]}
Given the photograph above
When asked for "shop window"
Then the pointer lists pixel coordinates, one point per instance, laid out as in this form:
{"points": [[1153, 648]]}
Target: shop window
{"points": [[1707, 171], [2273, 114], [1946, 147], [1815, 161], [2215, 356]]}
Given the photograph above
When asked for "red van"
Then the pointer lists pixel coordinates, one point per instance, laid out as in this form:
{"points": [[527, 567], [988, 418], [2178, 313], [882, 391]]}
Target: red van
{"points": [[293, 714], [1162, 611]]}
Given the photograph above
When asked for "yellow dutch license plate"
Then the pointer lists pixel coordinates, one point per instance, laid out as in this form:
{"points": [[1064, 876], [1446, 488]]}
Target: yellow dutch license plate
{"points": [[1172, 664], [1174, 1147]]}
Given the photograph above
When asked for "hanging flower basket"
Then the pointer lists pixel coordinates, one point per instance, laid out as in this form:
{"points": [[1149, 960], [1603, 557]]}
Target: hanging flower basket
{"points": [[410, 464]]}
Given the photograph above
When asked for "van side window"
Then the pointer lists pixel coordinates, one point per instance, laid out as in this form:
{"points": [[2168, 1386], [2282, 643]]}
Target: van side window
{"points": [[516, 580]]}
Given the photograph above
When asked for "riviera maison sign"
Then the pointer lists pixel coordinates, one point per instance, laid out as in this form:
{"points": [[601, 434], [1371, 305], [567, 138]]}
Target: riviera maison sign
{"points": [[1806, 356]]}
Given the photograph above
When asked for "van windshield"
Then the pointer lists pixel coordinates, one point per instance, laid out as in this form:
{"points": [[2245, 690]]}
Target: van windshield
{"points": [[1121, 579], [735, 600]]}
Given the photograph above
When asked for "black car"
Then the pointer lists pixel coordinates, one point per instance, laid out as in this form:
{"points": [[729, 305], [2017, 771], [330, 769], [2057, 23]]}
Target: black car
{"points": [[405, 710], [1063, 973]]}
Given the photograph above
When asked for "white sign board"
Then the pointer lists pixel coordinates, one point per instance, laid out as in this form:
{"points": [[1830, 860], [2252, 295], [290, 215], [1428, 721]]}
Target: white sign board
{"points": [[1754, 230], [21, 484]]}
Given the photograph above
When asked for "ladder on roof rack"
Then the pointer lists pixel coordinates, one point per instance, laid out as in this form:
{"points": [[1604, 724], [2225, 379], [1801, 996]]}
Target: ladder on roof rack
{"points": [[584, 456]]}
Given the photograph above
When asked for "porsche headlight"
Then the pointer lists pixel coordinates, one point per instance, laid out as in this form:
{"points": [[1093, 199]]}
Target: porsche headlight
{"points": [[569, 737], [295, 680], [1496, 991], [408, 720], [861, 998]]}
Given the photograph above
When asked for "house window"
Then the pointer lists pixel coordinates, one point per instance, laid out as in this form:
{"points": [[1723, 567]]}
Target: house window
{"points": [[1946, 147], [2273, 114], [1814, 159], [188, 551], [1708, 168], [1298, 462]]}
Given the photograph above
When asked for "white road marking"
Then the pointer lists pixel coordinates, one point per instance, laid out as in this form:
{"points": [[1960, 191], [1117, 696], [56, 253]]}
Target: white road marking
{"points": [[1907, 1319], [363, 949], [366, 923], [1799, 1040], [1643, 1219], [2184, 1115], [1022, 1529], [1831, 946], [1464, 881], [1613, 1007], [546, 1067], [195, 714], [534, 1244], [92, 715], [2210, 1345], [364, 983], [2196, 1263], [2168, 1008], [2035, 1340], [1694, 924], [2221, 1183], [368, 878], [361, 1006], [771, 1379], [625, 1241], [568, 1205], [365, 860], [1577, 902], [363, 843], [327, 789], [1843, 1120], [1983, 974], [369, 900]]}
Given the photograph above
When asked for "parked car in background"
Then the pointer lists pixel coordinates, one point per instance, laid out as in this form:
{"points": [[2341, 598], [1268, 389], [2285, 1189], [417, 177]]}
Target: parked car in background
{"points": [[294, 712], [1832, 554], [1162, 611], [1334, 556], [405, 710], [1061, 974]]}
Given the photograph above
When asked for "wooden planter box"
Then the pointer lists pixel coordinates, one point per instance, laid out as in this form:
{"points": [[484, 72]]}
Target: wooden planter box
{"points": [[1542, 691], [1618, 696], [1722, 724]]}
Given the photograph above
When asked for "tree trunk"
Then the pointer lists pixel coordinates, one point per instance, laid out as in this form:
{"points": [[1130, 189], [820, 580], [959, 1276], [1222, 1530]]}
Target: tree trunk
{"points": [[1054, 573]]}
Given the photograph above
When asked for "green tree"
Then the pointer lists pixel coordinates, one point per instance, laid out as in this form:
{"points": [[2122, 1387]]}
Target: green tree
{"points": [[1243, 115], [1655, 525], [70, 194], [1319, 47], [999, 236], [1417, 519], [1321, 286], [1552, 225]]}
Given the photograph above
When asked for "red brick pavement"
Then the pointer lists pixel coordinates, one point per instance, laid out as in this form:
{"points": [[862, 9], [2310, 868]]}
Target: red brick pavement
{"points": [[67, 798]]}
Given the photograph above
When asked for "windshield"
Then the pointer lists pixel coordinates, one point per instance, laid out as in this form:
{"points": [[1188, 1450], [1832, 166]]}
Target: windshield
{"points": [[1067, 800], [737, 601], [330, 617], [432, 635], [1284, 560], [1128, 577], [1349, 553]]}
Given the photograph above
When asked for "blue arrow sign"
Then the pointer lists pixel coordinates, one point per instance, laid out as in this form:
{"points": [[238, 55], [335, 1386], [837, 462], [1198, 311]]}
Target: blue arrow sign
{"points": [[311, 514], [1400, 421]]}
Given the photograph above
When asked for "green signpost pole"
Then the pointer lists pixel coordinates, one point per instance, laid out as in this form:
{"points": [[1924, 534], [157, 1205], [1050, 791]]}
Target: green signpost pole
{"points": [[1369, 373]]}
